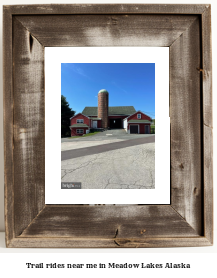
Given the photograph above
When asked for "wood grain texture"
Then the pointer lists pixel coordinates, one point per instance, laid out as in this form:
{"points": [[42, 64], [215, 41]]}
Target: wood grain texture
{"points": [[109, 221], [29, 139], [150, 242], [208, 183], [107, 9], [207, 67], [207, 123], [29, 223], [8, 125], [107, 30], [185, 113]]}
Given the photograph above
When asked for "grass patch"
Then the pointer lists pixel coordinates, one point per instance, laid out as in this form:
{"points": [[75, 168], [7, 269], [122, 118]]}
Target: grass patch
{"points": [[85, 135]]}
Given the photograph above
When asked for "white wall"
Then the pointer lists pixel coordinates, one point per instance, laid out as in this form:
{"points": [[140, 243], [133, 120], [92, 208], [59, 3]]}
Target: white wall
{"points": [[125, 123]]}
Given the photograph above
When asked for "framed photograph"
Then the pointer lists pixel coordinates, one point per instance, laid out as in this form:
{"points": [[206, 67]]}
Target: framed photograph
{"points": [[114, 101], [121, 155]]}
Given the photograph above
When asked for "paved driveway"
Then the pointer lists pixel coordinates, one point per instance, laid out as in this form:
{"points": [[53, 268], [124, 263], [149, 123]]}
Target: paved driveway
{"points": [[101, 138], [85, 148], [111, 159], [112, 134], [125, 168]]}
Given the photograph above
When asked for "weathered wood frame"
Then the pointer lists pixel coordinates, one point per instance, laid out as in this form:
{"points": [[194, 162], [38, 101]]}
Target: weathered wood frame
{"points": [[186, 29]]}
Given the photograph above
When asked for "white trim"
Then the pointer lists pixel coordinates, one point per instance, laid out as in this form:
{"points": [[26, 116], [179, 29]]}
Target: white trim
{"points": [[137, 112], [125, 124], [78, 114], [134, 133], [79, 120], [140, 116], [79, 129]]}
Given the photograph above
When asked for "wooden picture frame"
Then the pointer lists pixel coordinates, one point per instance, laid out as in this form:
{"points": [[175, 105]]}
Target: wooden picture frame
{"points": [[186, 30]]}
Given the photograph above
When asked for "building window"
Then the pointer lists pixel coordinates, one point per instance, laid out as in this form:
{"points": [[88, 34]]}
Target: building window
{"points": [[79, 131], [138, 116], [80, 121]]}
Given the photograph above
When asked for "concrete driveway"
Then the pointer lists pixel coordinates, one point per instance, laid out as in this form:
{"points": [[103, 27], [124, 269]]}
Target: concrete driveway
{"points": [[111, 134], [88, 148], [126, 168], [111, 159], [101, 138]]}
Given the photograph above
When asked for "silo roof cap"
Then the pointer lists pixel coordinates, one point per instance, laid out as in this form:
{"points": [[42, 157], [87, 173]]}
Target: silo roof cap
{"points": [[103, 91]]}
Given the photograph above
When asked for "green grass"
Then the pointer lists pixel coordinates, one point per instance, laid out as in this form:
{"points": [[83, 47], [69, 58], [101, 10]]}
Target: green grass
{"points": [[85, 135]]}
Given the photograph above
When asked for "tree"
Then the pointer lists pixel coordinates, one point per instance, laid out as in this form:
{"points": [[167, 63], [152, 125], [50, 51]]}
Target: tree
{"points": [[66, 114]]}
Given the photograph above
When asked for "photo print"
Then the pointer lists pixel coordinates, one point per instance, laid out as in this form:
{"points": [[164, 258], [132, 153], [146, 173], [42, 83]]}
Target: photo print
{"points": [[108, 135], [107, 125]]}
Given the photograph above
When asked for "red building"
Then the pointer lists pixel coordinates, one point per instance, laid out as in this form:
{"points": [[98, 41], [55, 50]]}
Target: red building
{"points": [[80, 124], [138, 123], [104, 117]]}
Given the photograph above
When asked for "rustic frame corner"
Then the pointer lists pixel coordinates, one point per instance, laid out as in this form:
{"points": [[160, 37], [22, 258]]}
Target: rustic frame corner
{"points": [[188, 220]]}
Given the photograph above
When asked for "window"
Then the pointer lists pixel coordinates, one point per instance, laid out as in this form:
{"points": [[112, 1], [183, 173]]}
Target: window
{"points": [[138, 116], [80, 121], [79, 131]]}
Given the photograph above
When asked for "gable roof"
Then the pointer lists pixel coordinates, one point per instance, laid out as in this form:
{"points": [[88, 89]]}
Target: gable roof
{"points": [[90, 111], [79, 114], [113, 110], [137, 112]]}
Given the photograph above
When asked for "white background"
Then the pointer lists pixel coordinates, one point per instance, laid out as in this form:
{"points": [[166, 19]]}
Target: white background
{"points": [[53, 192], [203, 259]]}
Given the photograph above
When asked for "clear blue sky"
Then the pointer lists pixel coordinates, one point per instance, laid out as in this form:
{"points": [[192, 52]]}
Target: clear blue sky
{"points": [[127, 84]]}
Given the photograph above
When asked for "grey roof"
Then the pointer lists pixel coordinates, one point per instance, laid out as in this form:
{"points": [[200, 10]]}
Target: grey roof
{"points": [[113, 110], [95, 119], [139, 121], [79, 125]]}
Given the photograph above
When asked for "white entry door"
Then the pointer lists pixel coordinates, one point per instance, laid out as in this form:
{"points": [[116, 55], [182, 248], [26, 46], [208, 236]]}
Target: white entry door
{"points": [[94, 124]]}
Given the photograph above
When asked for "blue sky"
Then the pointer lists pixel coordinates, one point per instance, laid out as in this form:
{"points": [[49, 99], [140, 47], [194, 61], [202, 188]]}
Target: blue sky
{"points": [[128, 84]]}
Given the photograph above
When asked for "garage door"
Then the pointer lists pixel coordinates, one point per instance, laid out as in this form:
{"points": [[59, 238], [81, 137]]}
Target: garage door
{"points": [[134, 129]]}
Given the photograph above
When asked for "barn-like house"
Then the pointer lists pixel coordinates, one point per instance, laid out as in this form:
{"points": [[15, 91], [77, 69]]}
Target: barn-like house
{"points": [[104, 117]]}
